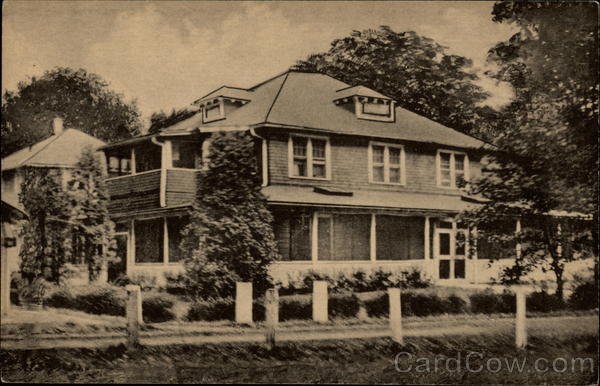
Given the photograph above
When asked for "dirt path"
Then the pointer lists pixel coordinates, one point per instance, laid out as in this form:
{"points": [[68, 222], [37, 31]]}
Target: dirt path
{"points": [[547, 326]]}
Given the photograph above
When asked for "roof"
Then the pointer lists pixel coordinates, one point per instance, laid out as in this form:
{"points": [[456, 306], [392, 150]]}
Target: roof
{"points": [[11, 211], [227, 92], [306, 101], [359, 91], [287, 194], [62, 150]]}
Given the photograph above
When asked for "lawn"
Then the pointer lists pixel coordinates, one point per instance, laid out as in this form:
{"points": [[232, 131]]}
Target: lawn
{"points": [[347, 361]]}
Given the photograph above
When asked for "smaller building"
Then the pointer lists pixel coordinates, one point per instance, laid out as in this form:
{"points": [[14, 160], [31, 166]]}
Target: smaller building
{"points": [[61, 152]]}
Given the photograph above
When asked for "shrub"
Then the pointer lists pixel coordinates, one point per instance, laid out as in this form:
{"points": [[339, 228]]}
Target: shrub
{"points": [[210, 310], [295, 307], [157, 308], [101, 300], [543, 302], [345, 306], [456, 305], [176, 284], [60, 298], [378, 306], [146, 282], [416, 304], [585, 296], [488, 302]]}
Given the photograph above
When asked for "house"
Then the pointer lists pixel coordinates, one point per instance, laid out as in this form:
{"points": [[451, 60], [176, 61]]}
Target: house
{"points": [[10, 219], [353, 181], [60, 151]]}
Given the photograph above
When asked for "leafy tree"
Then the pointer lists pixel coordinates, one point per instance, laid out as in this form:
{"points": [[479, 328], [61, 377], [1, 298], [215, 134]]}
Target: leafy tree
{"points": [[230, 234], [160, 120], [547, 158], [412, 69], [44, 251], [91, 227], [82, 99]]}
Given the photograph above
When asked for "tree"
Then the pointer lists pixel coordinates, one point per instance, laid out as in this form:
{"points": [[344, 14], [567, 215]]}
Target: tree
{"points": [[230, 235], [160, 120], [413, 70], [91, 228], [547, 152], [82, 99], [44, 251]]}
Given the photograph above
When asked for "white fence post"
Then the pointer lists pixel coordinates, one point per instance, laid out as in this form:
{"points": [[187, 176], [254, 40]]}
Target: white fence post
{"points": [[134, 315], [320, 300], [395, 315], [243, 302], [520, 322], [271, 315]]}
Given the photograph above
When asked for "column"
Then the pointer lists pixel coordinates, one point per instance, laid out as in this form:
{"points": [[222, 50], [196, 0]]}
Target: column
{"points": [[373, 238]]}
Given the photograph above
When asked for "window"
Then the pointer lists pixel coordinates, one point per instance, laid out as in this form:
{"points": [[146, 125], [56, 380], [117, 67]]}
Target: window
{"points": [[149, 241], [213, 112], [399, 238], [174, 227], [147, 158], [452, 168], [119, 163], [386, 163], [374, 110], [344, 237], [292, 232], [309, 157], [186, 154]]}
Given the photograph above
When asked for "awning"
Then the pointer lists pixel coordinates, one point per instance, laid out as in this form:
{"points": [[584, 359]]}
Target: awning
{"points": [[302, 195]]}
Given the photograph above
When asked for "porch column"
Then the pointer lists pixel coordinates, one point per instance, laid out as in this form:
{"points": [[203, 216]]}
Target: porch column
{"points": [[427, 242], [165, 241], [373, 238], [130, 249], [314, 238], [133, 161], [518, 245], [474, 257]]}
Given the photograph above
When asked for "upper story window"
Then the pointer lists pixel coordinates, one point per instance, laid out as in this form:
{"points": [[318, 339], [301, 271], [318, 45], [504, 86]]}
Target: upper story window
{"points": [[309, 157], [147, 158], [119, 163], [187, 155], [452, 168], [213, 112], [386, 163]]}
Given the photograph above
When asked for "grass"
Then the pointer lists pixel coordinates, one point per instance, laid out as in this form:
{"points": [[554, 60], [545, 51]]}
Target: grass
{"points": [[350, 361]]}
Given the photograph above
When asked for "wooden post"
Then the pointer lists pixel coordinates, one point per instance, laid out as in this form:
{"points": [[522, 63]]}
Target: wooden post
{"points": [[243, 302], [520, 322], [271, 316], [395, 315], [134, 315], [319, 302]]}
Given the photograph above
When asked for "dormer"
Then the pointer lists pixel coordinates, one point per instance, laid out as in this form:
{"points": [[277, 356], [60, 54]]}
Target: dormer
{"points": [[368, 104], [217, 104]]}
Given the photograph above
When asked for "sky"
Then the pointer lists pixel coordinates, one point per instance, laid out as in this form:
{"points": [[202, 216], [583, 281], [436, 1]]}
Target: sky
{"points": [[166, 54]]}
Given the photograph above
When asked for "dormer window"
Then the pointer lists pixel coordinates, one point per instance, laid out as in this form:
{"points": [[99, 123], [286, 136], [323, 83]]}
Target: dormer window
{"points": [[368, 104], [213, 111]]}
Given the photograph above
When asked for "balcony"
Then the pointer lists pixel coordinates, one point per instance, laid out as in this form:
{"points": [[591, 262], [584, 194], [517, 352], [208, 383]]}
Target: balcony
{"points": [[134, 193]]}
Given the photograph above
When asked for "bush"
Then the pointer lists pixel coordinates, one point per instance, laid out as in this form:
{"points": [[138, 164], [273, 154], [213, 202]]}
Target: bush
{"points": [[416, 304], [157, 308], [211, 310], [146, 282], [295, 307], [543, 302], [94, 299], [585, 296], [488, 302], [378, 306], [176, 284], [345, 306]]}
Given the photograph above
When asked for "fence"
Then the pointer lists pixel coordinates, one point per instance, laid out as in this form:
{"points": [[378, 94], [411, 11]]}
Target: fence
{"points": [[244, 304]]}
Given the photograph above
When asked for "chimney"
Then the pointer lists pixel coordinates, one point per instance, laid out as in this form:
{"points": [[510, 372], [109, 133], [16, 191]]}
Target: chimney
{"points": [[57, 125]]}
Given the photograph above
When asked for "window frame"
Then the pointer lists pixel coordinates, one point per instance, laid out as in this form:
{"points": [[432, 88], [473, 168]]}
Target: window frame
{"points": [[309, 157], [438, 166], [386, 163], [219, 105]]}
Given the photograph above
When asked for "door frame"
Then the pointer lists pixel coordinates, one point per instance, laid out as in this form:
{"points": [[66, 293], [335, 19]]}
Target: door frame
{"points": [[452, 257]]}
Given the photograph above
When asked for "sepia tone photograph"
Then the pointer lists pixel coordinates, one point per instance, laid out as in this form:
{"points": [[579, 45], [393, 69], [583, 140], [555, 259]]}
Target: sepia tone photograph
{"points": [[305, 192]]}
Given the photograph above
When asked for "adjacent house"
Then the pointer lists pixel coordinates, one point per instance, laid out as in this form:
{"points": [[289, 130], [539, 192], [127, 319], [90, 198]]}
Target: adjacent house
{"points": [[353, 181], [60, 151]]}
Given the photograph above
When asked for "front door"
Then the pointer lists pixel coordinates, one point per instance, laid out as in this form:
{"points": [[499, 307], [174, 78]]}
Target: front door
{"points": [[450, 251], [117, 268]]}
